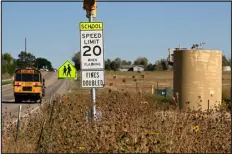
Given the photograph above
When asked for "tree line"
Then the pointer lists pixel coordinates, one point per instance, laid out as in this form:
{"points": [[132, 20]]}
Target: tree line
{"points": [[117, 62], [25, 59], [226, 61], [159, 65]]}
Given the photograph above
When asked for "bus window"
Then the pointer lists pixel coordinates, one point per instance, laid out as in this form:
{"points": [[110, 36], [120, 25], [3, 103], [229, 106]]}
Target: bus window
{"points": [[27, 77], [18, 77], [36, 77]]}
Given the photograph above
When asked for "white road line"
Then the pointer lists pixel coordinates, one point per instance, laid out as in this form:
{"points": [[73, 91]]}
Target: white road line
{"points": [[7, 80], [6, 85], [30, 112], [6, 89], [11, 123], [8, 94], [36, 107], [61, 87], [8, 100]]}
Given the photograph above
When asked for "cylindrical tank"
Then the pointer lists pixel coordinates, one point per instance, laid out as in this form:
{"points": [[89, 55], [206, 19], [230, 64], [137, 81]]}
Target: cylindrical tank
{"points": [[197, 78]]}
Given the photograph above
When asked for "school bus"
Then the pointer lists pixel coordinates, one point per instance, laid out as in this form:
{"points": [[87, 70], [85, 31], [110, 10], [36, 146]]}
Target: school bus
{"points": [[28, 85]]}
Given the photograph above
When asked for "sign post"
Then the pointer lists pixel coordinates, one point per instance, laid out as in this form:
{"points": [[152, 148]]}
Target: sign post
{"points": [[92, 54]]}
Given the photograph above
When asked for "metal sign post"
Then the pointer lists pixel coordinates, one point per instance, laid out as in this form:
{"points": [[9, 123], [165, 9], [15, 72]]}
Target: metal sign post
{"points": [[93, 90], [92, 54]]}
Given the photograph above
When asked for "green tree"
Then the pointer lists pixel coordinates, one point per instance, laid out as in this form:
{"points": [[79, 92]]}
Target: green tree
{"points": [[11, 67], [77, 60], [107, 64], [225, 61], [141, 61], [26, 59], [114, 65], [164, 64], [158, 65], [124, 62], [3, 69], [7, 57], [150, 67], [43, 62], [161, 65], [118, 60]]}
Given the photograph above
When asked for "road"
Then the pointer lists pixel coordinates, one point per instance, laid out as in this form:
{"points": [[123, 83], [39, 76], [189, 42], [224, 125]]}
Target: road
{"points": [[10, 107]]}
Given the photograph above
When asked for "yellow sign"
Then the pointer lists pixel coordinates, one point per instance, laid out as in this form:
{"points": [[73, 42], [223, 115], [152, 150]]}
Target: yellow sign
{"points": [[91, 26], [67, 70]]}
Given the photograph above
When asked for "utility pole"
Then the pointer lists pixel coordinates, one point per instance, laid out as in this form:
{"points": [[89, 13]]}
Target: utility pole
{"points": [[25, 44]]}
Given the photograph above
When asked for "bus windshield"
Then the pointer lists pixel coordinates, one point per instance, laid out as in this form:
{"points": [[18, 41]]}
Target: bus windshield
{"points": [[27, 77]]}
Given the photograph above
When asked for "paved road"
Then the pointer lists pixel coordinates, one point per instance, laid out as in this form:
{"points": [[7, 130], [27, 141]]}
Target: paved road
{"points": [[10, 107]]}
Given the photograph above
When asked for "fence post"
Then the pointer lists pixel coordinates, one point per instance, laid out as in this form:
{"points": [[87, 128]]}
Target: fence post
{"points": [[178, 101], [208, 106], [136, 86], [41, 133], [152, 89], [18, 125]]}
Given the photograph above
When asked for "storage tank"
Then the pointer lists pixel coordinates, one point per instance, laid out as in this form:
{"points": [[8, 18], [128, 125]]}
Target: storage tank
{"points": [[198, 78]]}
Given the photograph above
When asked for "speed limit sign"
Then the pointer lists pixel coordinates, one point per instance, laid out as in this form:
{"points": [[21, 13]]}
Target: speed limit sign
{"points": [[92, 52]]}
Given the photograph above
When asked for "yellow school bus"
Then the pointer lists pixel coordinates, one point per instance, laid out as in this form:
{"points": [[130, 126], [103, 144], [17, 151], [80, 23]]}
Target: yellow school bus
{"points": [[28, 85]]}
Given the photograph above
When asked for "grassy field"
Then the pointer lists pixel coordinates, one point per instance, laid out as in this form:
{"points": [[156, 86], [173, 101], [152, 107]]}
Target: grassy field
{"points": [[6, 82], [159, 79], [6, 76], [129, 122]]}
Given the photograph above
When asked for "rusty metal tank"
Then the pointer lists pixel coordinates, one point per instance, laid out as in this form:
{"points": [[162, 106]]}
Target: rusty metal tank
{"points": [[197, 78]]}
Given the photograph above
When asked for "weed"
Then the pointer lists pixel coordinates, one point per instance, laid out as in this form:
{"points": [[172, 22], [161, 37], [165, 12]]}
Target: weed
{"points": [[127, 125]]}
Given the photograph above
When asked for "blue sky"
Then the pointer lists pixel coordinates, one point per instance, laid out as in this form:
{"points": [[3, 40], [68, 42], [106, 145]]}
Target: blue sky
{"points": [[130, 29]]}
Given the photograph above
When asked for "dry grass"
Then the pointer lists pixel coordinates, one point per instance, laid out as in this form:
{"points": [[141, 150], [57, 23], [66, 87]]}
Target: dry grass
{"points": [[135, 81], [129, 123], [143, 81]]}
